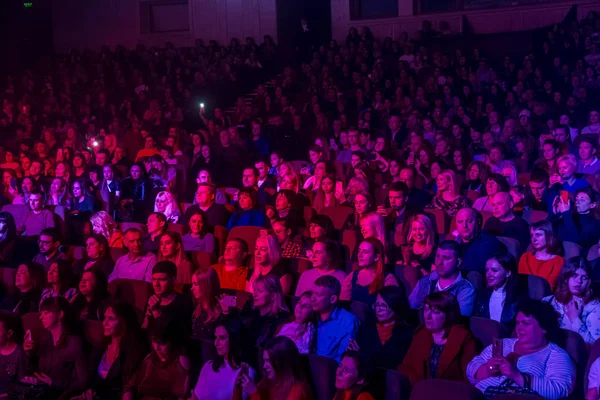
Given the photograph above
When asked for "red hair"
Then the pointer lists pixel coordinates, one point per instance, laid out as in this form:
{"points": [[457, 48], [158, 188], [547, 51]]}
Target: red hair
{"points": [[379, 250]]}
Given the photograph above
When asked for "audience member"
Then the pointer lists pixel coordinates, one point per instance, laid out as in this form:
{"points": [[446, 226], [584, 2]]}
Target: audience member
{"points": [[544, 259], [157, 226], [60, 276], [447, 278], [267, 261], [301, 326], [30, 280], [205, 291], [103, 224], [533, 361], [171, 249], [233, 272], [49, 243], [442, 347], [13, 359], [198, 238], [38, 218], [97, 256], [90, 301], [351, 378], [137, 263], [325, 257], [505, 223]]}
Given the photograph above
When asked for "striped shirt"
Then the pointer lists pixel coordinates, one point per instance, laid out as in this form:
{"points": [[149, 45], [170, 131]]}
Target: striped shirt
{"points": [[551, 369]]}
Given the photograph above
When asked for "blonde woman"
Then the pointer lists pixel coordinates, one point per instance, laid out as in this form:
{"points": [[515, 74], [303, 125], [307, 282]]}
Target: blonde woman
{"points": [[419, 252], [165, 203], [448, 197], [103, 224], [266, 262], [205, 290], [171, 249], [372, 225]]}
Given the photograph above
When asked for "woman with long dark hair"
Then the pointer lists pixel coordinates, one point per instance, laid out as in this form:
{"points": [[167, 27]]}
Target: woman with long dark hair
{"points": [[351, 378], [283, 374], [90, 301], [574, 301], [205, 289], [97, 256], [8, 237], [217, 380]]}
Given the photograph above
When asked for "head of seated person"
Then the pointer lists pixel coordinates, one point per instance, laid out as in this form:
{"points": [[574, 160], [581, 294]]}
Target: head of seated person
{"points": [[544, 240], [205, 195], [49, 242], [283, 368], [103, 224], [372, 225], [247, 198], [93, 287], [57, 314], [284, 202], [164, 274], [36, 201], [8, 229], [236, 252], [267, 296], [228, 342], [440, 313], [166, 204], [574, 283], [351, 376], [205, 291], [96, 248], [250, 177], [321, 228], [398, 196], [30, 276], [121, 325], [60, 276], [326, 295], [132, 239], [171, 248], [198, 224], [501, 271], [502, 206], [156, 224], [468, 224]]}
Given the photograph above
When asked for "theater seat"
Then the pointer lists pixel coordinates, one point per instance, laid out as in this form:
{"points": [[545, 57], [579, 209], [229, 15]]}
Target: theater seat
{"points": [[534, 216], [537, 287], [299, 265], [220, 233], [349, 239], [131, 291], [117, 252], [408, 276], [512, 245], [7, 278], [136, 225], [486, 330], [179, 228], [201, 259], [241, 297], [248, 234], [337, 215], [322, 375], [441, 220], [447, 390], [31, 322], [93, 332], [594, 354], [76, 252]]}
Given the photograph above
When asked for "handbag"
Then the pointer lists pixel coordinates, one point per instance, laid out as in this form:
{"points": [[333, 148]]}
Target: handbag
{"points": [[507, 387], [27, 391]]}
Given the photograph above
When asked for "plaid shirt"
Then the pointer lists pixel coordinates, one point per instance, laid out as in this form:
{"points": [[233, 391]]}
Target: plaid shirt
{"points": [[291, 250]]}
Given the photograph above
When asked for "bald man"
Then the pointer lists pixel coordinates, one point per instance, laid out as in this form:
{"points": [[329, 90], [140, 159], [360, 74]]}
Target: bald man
{"points": [[477, 246], [505, 223]]}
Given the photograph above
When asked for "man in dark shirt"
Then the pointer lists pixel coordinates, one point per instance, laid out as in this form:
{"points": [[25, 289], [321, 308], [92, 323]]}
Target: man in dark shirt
{"points": [[505, 223], [157, 225], [477, 247], [216, 214], [417, 198], [49, 243], [166, 306]]}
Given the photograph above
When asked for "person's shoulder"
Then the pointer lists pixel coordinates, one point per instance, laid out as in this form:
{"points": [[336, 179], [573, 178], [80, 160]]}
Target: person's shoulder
{"points": [[460, 331], [548, 299]]}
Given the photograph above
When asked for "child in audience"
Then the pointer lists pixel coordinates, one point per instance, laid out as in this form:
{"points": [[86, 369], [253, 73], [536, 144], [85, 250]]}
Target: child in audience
{"points": [[301, 328]]}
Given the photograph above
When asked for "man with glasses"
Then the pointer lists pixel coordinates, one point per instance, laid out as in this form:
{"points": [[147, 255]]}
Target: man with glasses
{"points": [[49, 243]]}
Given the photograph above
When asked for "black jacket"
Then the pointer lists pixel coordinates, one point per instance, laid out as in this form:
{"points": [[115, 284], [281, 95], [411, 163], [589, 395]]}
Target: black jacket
{"points": [[515, 293]]}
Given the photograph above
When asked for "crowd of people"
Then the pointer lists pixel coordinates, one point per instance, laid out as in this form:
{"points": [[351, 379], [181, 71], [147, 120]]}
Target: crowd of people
{"points": [[368, 205]]}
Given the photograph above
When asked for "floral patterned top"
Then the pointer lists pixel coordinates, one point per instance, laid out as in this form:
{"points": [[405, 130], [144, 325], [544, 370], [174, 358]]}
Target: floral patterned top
{"points": [[587, 325], [449, 207]]}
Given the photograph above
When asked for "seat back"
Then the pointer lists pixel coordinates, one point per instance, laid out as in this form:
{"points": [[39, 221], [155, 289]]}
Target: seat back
{"points": [[571, 250], [131, 291], [441, 220], [395, 384], [362, 311], [93, 332], [337, 215], [537, 287], [76, 252], [512, 245], [534, 216], [202, 259], [349, 239], [249, 234], [477, 280], [594, 252], [322, 373], [594, 354], [443, 389], [309, 212], [473, 195], [184, 206], [380, 195], [179, 228], [408, 276], [18, 211], [577, 349], [220, 233], [241, 297], [117, 252], [486, 330], [7, 278], [136, 225], [31, 322], [299, 265]]}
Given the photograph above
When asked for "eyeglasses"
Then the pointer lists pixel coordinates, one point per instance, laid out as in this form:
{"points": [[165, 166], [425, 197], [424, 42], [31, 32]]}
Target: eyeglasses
{"points": [[380, 306]]}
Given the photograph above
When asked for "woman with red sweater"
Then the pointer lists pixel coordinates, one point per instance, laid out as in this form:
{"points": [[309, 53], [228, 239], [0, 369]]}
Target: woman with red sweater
{"points": [[442, 348], [283, 375]]}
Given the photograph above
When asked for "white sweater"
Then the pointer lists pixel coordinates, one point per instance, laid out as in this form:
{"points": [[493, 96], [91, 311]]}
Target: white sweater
{"points": [[219, 385]]}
